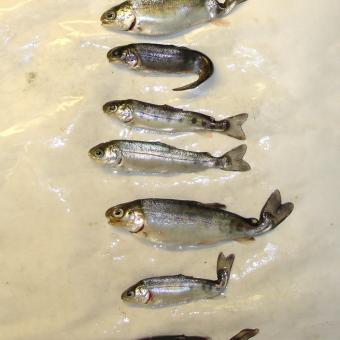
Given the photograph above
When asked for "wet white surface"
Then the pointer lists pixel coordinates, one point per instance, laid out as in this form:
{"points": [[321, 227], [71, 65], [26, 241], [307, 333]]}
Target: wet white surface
{"points": [[63, 267]]}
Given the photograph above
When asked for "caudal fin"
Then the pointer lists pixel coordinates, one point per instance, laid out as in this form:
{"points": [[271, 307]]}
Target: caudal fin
{"points": [[246, 334], [273, 213], [204, 68], [224, 265], [233, 160], [233, 126]]}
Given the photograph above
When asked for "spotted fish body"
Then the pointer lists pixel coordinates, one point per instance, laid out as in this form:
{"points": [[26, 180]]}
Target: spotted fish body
{"points": [[167, 118], [155, 157], [176, 222], [179, 289], [164, 58], [161, 17]]}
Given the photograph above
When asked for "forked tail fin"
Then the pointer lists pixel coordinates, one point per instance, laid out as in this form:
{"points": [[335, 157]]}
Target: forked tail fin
{"points": [[245, 334], [233, 160], [232, 126], [273, 213], [224, 265]]}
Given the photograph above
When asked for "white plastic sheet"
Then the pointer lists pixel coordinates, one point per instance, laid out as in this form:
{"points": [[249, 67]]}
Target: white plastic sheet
{"points": [[63, 268]]}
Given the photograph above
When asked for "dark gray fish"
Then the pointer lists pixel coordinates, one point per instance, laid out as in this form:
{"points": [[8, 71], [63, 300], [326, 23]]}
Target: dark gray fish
{"points": [[155, 157], [167, 118], [176, 222], [177, 289], [164, 58], [160, 17], [243, 335]]}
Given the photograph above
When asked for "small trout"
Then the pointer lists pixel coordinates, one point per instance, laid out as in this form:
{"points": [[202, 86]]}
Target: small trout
{"points": [[155, 157], [161, 17], [164, 58], [245, 334], [179, 289], [167, 118], [176, 222]]}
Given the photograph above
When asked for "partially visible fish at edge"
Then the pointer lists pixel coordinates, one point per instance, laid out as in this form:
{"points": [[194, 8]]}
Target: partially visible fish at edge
{"points": [[161, 17]]}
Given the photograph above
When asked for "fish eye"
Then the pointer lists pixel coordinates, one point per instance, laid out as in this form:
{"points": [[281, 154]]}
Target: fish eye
{"points": [[130, 293], [111, 15], [99, 153], [113, 108], [118, 213]]}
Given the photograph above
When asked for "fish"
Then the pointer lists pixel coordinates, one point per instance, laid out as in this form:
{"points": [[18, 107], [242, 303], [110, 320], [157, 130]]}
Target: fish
{"points": [[156, 157], [163, 17], [164, 58], [190, 223], [179, 289], [170, 119], [245, 334]]}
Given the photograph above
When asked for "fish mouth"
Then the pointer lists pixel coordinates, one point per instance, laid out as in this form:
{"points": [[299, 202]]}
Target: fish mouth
{"points": [[132, 26]]}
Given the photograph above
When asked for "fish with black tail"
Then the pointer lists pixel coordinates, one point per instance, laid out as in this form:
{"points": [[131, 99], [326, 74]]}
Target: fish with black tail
{"points": [[156, 157], [245, 334], [170, 119], [164, 58], [178, 289], [187, 223], [161, 17]]}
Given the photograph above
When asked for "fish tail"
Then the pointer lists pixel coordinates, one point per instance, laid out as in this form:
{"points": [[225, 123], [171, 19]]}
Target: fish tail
{"points": [[224, 265], [205, 68], [273, 213], [246, 334], [233, 160], [233, 126], [228, 5]]}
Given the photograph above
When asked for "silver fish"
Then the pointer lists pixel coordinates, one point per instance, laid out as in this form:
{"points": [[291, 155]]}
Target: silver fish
{"points": [[167, 118], [245, 334], [161, 17], [178, 289], [164, 58], [177, 222], [155, 157]]}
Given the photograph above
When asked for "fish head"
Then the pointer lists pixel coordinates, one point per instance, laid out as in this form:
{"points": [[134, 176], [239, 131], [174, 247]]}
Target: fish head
{"points": [[121, 17], [127, 215], [137, 294], [107, 153], [120, 109], [123, 54]]}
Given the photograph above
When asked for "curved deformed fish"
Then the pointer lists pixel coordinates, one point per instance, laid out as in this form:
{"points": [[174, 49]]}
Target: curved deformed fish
{"points": [[164, 58], [179, 289], [161, 17], [168, 118], [177, 222], [155, 157], [245, 334]]}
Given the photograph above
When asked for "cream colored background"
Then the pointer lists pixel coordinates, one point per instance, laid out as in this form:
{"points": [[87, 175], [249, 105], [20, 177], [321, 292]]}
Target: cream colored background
{"points": [[62, 267]]}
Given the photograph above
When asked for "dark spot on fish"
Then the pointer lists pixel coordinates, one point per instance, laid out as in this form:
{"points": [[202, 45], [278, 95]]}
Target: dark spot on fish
{"points": [[181, 120], [30, 77], [194, 120], [204, 124]]}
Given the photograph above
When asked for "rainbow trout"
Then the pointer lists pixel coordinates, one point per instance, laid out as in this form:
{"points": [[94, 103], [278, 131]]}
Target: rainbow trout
{"points": [[155, 157], [164, 58], [179, 289], [177, 222], [161, 17], [167, 118]]}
